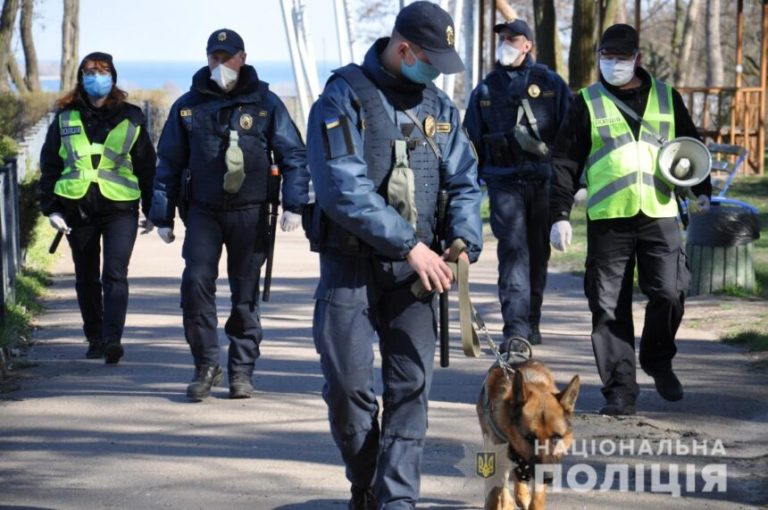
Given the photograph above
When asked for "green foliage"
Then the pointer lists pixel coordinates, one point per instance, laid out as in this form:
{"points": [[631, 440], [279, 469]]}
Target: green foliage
{"points": [[755, 341], [15, 327], [19, 112], [8, 147], [29, 209]]}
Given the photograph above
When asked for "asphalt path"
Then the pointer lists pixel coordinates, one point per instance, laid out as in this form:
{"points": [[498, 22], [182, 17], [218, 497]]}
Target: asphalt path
{"points": [[82, 435]]}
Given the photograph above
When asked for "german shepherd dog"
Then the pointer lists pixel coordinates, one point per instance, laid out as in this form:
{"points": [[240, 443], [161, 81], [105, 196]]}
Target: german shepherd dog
{"points": [[526, 422]]}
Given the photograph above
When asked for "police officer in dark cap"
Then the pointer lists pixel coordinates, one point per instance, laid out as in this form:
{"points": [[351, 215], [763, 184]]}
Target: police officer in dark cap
{"points": [[226, 131], [382, 142], [611, 141], [512, 118]]}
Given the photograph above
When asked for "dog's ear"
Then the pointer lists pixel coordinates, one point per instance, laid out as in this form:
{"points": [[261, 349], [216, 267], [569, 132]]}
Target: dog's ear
{"points": [[567, 397], [519, 393]]}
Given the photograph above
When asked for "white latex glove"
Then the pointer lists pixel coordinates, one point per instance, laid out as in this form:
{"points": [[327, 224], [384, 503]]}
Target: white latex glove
{"points": [[146, 225], [561, 234], [702, 203], [57, 221], [166, 234], [290, 221]]}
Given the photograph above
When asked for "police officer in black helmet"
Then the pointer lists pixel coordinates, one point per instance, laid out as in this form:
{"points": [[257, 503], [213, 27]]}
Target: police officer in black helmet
{"points": [[512, 118], [226, 130], [376, 242]]}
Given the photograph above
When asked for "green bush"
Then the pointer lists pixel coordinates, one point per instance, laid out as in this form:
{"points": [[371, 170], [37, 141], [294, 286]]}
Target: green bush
{"points": [[8, 147], [19, 112], [29, 209]]}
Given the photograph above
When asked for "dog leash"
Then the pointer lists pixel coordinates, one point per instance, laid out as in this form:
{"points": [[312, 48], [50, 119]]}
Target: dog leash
{"points": [[468, 318], [471, 324]]}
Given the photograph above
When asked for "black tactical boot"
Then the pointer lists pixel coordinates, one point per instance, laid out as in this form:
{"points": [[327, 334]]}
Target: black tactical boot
{"points": [[667, 384], [534, 335], [362, 499], [95, 349], [205, 378], [113, 351], [240, 386]]}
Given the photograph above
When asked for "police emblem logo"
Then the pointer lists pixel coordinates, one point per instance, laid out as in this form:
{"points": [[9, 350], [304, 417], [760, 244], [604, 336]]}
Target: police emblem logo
{"points": [[486, 464], [534, 90], [429, 126], [246, 121], [185, 112], [450, 37], [222, 36]]}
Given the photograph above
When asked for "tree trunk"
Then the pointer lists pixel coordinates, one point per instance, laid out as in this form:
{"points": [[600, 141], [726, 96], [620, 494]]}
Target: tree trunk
{"points": [[609, 11], [32, 78], [683, 67], [621, 13], [16, 76], [677, 32], [581, 58], [70, 28], [508, 12], [7, 22], [546, 32], [715, 77]]}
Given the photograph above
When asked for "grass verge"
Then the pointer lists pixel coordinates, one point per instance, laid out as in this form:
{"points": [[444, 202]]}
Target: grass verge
{"points": [[31, 283]]}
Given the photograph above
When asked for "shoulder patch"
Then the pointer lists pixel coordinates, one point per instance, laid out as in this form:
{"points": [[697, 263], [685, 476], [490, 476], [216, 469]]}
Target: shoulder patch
{"points": [[185, 112], [485, 103]]}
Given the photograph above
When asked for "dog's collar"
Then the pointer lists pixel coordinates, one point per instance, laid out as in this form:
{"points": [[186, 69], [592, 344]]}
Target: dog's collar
{"points": [[523, 469]]}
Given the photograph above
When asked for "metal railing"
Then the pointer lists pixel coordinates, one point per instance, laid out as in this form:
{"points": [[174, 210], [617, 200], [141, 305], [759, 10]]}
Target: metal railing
{"points": [[10, 245]]}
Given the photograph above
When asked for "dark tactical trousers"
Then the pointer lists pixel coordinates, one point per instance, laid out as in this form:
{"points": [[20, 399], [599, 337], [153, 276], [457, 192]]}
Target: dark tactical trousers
{"points": [[613, 246], [103, 294], [361, 300], [520, 222], [242, 232]]}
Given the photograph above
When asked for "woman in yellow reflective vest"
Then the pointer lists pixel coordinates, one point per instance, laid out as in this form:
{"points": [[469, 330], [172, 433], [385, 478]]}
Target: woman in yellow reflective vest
{"points": [[97, 165]]}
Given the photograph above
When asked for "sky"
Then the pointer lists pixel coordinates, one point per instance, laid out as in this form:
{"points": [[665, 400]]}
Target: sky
{"points": [[177, 30]]}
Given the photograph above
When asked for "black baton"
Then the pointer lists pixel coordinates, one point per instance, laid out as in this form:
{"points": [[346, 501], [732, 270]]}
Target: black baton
{"points": [[274, 201], [55, 243], [442, 210]]}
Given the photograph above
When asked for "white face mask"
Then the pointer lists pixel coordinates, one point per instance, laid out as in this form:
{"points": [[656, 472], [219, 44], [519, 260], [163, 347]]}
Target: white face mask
{"points": [[617, 72], [507, 54], [224, 77]]}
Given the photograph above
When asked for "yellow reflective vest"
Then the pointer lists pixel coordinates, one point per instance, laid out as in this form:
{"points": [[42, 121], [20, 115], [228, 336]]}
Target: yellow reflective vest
{"points": [[622, 172], [114, 174]]}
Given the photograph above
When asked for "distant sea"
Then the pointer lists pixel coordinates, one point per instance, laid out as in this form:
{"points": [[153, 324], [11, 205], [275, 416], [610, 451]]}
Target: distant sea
{"points": [[176, 77]]}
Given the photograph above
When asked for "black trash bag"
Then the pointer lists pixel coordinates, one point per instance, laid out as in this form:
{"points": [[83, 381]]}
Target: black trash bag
{"points": [[723, 226]]}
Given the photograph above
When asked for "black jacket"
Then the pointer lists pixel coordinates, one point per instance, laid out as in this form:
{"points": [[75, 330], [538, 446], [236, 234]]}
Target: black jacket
{"points": [[196, 136], [98, 122], [574, 142]]}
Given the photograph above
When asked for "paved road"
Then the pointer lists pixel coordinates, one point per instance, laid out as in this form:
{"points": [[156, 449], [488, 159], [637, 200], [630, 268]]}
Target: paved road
{"points": [[82, 435]]}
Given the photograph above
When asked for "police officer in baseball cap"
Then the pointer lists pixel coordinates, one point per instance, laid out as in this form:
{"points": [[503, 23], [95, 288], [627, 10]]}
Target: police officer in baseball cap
{"points": [[373, 125], [225, 132]]}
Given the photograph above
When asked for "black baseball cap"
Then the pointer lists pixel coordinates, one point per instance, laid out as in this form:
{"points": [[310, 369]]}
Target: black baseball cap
{"points": [[620, 38], [427, 25], [225, 40], [97, 56], [515, 27]]}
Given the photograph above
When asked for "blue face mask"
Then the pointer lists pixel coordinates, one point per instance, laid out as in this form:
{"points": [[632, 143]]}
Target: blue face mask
{"points": [[97, 85], [419, 72]]}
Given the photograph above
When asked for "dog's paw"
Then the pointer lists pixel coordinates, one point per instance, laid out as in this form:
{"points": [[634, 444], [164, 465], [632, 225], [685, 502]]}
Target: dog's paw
{"points": [[499, 499]]}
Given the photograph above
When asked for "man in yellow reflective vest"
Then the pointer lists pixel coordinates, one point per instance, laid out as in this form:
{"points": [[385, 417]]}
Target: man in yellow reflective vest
{"points": [[610, 140]]}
